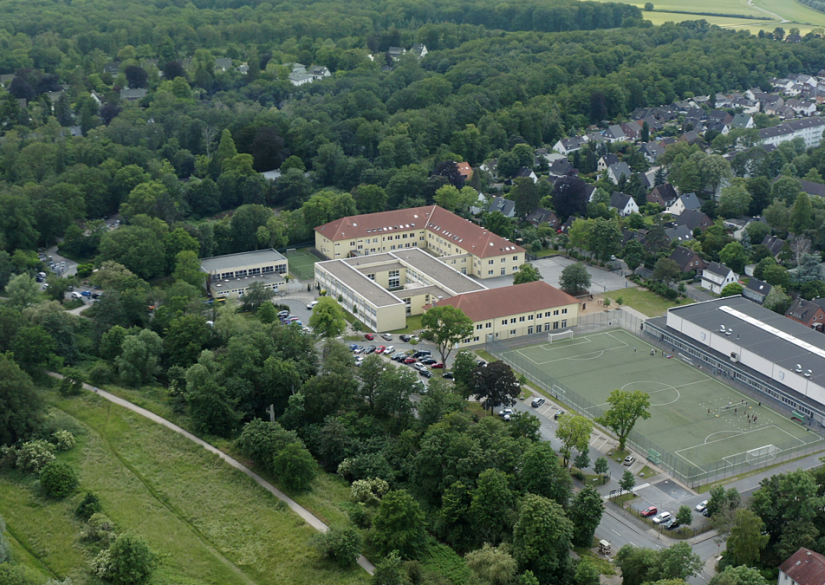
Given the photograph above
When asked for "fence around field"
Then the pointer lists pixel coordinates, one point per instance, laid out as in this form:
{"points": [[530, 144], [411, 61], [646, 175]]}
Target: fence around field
{"points": [[686, 471]]}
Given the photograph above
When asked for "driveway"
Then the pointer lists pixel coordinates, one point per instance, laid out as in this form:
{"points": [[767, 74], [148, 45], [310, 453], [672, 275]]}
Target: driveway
{"points": [[550, 268], [70, 265]]}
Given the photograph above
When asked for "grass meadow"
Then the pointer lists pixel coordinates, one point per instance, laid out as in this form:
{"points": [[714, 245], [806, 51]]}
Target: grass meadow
{"points": [[208, 522]]}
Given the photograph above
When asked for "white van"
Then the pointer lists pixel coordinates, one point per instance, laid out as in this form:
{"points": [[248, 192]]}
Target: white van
{"points": [[76, 296]]}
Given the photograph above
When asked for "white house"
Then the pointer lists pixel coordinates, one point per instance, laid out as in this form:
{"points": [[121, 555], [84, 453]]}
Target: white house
{"points": [[525, 173], [804, 567], [683, 203], [567, 145], [717, 276], [623, 203], [615, 171], [809, 129], [615, 133], [801, 107], [605, 162]]}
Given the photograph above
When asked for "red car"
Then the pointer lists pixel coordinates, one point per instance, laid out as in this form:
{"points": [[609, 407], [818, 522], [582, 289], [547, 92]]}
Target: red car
{"points": [[651, 511], [369, 336], [410, 360], [380, 349], [437, 366]]}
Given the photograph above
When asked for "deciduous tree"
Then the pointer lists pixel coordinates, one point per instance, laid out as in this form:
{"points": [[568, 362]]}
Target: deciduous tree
{"points": [[494, 384], [574, 433], [445, 326], [526, 273], [328, 318], [575, 279], [626, 407], [541, 539], [586, 514]]}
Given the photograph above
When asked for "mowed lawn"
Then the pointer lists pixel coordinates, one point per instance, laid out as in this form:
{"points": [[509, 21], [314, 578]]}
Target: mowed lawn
{"points": [[644, 301], [208, 522]]}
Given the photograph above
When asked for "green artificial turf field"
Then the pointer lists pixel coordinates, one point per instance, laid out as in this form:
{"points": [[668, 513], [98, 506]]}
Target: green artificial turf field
{"points": [[302, 264]]}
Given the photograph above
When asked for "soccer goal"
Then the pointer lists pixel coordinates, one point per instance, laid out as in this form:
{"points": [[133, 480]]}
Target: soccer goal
{"points": [[761, 454], [559, 391], [551, 337], [732, 408], [290, 251]]}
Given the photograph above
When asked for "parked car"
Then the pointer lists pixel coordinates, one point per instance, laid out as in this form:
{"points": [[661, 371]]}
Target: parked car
{"points": [[97, 295], [409, 360], [481, 363], [629, 460], [390, 350], [311, 305], [558, 414], [369, 336], [448, 375], [437, 366], [421, 353], [296, 321], [651, 511], [86, 293], [359, 349], [672, 524], [405, 338], [400, 356], [702, 506], [381, 349], [420, 387], [505, 412], [428, 361], [76, 296], [706, 513], [420, 367], [370, 349], [386, 337], [425, 373], [538, 401], [282, 314], [662, 518], [353, 346]]}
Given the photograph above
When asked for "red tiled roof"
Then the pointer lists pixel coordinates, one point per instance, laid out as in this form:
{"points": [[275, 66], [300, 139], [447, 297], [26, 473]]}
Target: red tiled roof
{"points": [[510, 300], [464, 169], [457, 230], [805, 567]]}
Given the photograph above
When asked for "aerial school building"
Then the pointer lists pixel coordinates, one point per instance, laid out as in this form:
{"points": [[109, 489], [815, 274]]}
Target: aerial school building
{"points": [[776, 358]]}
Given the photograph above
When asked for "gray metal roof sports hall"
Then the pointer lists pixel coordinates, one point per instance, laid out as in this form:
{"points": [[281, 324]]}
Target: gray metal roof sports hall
{"points": [[781, 359]]}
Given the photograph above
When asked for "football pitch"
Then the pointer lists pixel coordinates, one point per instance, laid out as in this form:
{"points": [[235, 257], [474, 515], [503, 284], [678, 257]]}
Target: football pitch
{"points": [[689, 419], [302, 264]]}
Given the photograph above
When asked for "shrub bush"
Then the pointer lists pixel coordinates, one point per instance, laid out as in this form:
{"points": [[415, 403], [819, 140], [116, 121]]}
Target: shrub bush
{"points": [[341, 545], [35, 455], [100, 374], [63, 440], [58, 479], [295, 467], [360, 516], [88, 507], [99, 528], [127, 562]]}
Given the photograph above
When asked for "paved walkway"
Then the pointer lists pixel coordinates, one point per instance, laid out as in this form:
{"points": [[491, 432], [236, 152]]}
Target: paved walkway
{"points": [[293, 505]]}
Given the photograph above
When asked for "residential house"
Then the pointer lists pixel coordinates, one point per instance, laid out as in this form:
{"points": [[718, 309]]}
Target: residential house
{"points": [[132, 94], [605, 162], [298, 78], [505, 206], [804, 567], [747, 106], [794, 38], [802, 108], [692, 219], [396, 52], [6, 79], [616, 171], [742, 122], [691, 137], [756, 290], [112, 68], [614, 133], [465, 170], [589, 191], [479, 205], [784, 113], [664, 194], [688, 260], [562, 167], [810, 313], [597, 138], [319, 72], [715, 277], [680, 233], [631, 130], [651, 151], [665, 142], [567, 145], [525, 173], [688, 201], [809, 129], [775, 245], [623, 203], [243, 69], [541, 217], [223, 64], [718, 126], [419, 50], [812, 188]]}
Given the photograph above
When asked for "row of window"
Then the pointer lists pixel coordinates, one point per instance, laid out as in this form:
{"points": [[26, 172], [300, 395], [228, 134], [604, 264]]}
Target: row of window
{"points": [[278, 268], [530, 330], [503, 260]]}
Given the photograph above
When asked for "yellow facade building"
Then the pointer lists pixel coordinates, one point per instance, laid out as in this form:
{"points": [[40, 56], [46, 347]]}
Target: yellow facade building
{"points": [[464, 246], [532, 308]]}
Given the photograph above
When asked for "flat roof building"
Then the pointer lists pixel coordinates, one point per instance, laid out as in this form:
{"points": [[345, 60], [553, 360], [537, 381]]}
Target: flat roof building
{"points": [[231, 274], [463, 245], [779, 358], [381, 290]]}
